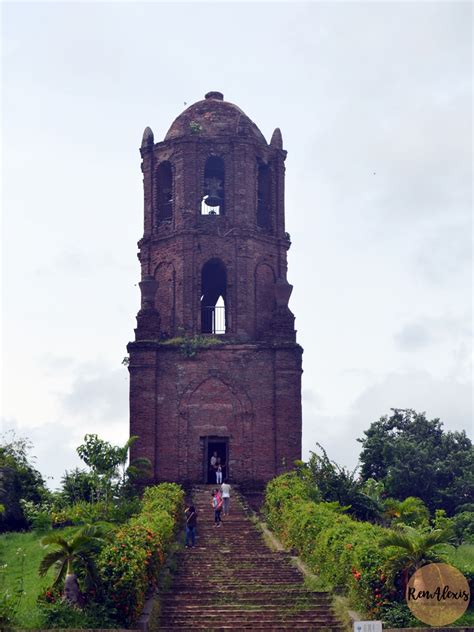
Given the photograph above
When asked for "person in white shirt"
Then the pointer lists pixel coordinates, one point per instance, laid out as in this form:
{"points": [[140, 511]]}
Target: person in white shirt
{"points": [[214, 461], [225, 489], [213, 465]]}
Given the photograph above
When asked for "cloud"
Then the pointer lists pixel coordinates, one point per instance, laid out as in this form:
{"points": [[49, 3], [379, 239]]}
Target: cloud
{"points": [[442, 343], [448, 399], [444, 253], [53, 447], [422, 332], [54, 444], [54, 363], [101, 395], [313, 399], [413, 336]]}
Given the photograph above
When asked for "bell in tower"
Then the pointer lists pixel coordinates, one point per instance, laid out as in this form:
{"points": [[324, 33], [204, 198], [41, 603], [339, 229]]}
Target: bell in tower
{"points": [[214, 185], [215, 366]]}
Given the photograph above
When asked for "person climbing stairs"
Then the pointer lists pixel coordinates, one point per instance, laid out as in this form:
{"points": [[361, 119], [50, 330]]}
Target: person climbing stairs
{"points": [[231, 580]]}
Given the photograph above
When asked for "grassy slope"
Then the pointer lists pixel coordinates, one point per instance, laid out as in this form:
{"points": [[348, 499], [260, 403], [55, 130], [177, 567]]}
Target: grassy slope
{"points": [[28, 616]]}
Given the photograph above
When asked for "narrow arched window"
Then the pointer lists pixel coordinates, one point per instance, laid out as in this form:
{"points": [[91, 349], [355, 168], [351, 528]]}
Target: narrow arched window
{"points": [[264, 196], [213, 297], [212, 201], [164, 191]]}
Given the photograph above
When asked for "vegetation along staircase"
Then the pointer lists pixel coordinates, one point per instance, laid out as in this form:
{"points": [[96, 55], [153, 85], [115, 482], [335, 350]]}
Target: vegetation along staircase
{"points": [[231, 580]]}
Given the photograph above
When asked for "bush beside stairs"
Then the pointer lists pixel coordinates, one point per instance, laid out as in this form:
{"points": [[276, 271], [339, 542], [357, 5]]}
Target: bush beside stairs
{"points": [[232, 580]]}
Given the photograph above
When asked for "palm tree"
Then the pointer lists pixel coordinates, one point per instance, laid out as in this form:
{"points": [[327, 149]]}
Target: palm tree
{"points": [[411, 512], [137, 468], [72, 556], [414, 549]]}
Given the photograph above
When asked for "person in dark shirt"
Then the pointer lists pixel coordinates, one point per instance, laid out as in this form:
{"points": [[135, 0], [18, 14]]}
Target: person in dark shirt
{"points": [[191, 524]]}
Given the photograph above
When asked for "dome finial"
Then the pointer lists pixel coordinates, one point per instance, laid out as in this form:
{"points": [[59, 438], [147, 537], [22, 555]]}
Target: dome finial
{"points": [[214, 95], [277, 140], [148, 138]]}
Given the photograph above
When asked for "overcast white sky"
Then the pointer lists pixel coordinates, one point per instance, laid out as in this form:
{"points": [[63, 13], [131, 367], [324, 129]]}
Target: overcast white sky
{"points": [[374, 101]]}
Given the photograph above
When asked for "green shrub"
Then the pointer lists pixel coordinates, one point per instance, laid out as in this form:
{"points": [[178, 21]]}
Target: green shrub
{"points": [[331, 556], [89, 513], [56, 613], [411, 511], [123, 510], [282, 492], [345, 554], [190, 345], [305, 524], [77, 485], [38, 515], [334, 545], [464, 527], [167, 496], [124, 565], [127, 567], [369, 585], [130, 565], [397, 615]]}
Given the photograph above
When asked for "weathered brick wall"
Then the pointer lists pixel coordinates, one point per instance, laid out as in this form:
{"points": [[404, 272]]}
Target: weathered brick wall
{"points": [[248, 390], [247, 393]]}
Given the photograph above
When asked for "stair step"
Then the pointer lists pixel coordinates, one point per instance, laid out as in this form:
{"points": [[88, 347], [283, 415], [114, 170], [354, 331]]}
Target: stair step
{"points": [[231, 580]]}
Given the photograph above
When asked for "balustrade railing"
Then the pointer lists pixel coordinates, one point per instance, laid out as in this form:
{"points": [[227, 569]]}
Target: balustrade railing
{"points": [[213, 320]]}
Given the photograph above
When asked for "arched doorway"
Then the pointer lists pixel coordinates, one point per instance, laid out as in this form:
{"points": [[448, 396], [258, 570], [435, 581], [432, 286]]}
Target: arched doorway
{"points": [[213, 297]]}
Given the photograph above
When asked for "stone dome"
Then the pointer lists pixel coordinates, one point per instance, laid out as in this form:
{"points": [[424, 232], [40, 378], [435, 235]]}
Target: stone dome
{"points": [[213, 117]]}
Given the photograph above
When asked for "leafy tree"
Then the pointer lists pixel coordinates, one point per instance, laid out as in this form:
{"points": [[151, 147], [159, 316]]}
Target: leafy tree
{"points": [[464, 527], [103, 461], [408, 452], [374, 489], [460, 526], [74, 557], [337, 484], [18, 480], [108, 464], [77, 485]]}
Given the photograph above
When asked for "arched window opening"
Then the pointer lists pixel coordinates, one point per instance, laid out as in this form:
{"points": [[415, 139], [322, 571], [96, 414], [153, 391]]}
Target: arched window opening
{"points": [[264, 196], [212, 201], [164, 191], [213, 297]]}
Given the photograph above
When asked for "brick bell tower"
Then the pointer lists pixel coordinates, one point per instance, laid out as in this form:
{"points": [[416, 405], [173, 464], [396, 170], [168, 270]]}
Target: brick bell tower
{"points": [[215, 367]]}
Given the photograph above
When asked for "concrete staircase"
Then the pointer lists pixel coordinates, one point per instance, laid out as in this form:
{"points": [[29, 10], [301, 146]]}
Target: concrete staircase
{"points": [[231, 580]]}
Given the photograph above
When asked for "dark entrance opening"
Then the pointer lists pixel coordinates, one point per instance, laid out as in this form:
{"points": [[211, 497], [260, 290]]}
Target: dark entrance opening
{"points": [[220, 448]]}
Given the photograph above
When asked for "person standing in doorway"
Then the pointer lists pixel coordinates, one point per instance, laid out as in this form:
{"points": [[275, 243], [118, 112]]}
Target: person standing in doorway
{"points": [[213, 466], [225, 491], [218, 471], [191, 524]]}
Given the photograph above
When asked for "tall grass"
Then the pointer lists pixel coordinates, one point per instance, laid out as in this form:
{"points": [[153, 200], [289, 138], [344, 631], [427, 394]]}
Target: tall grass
{"points": [[22, 553]]}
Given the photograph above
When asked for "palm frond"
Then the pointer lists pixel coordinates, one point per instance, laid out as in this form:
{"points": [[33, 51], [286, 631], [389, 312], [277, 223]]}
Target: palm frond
{"points": [[83, 542], [87, 570], [62, 566], [141, 463], [398, 539], [54, 538], [48, 560], [437, 536], [130, 442], [98, 531]]}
